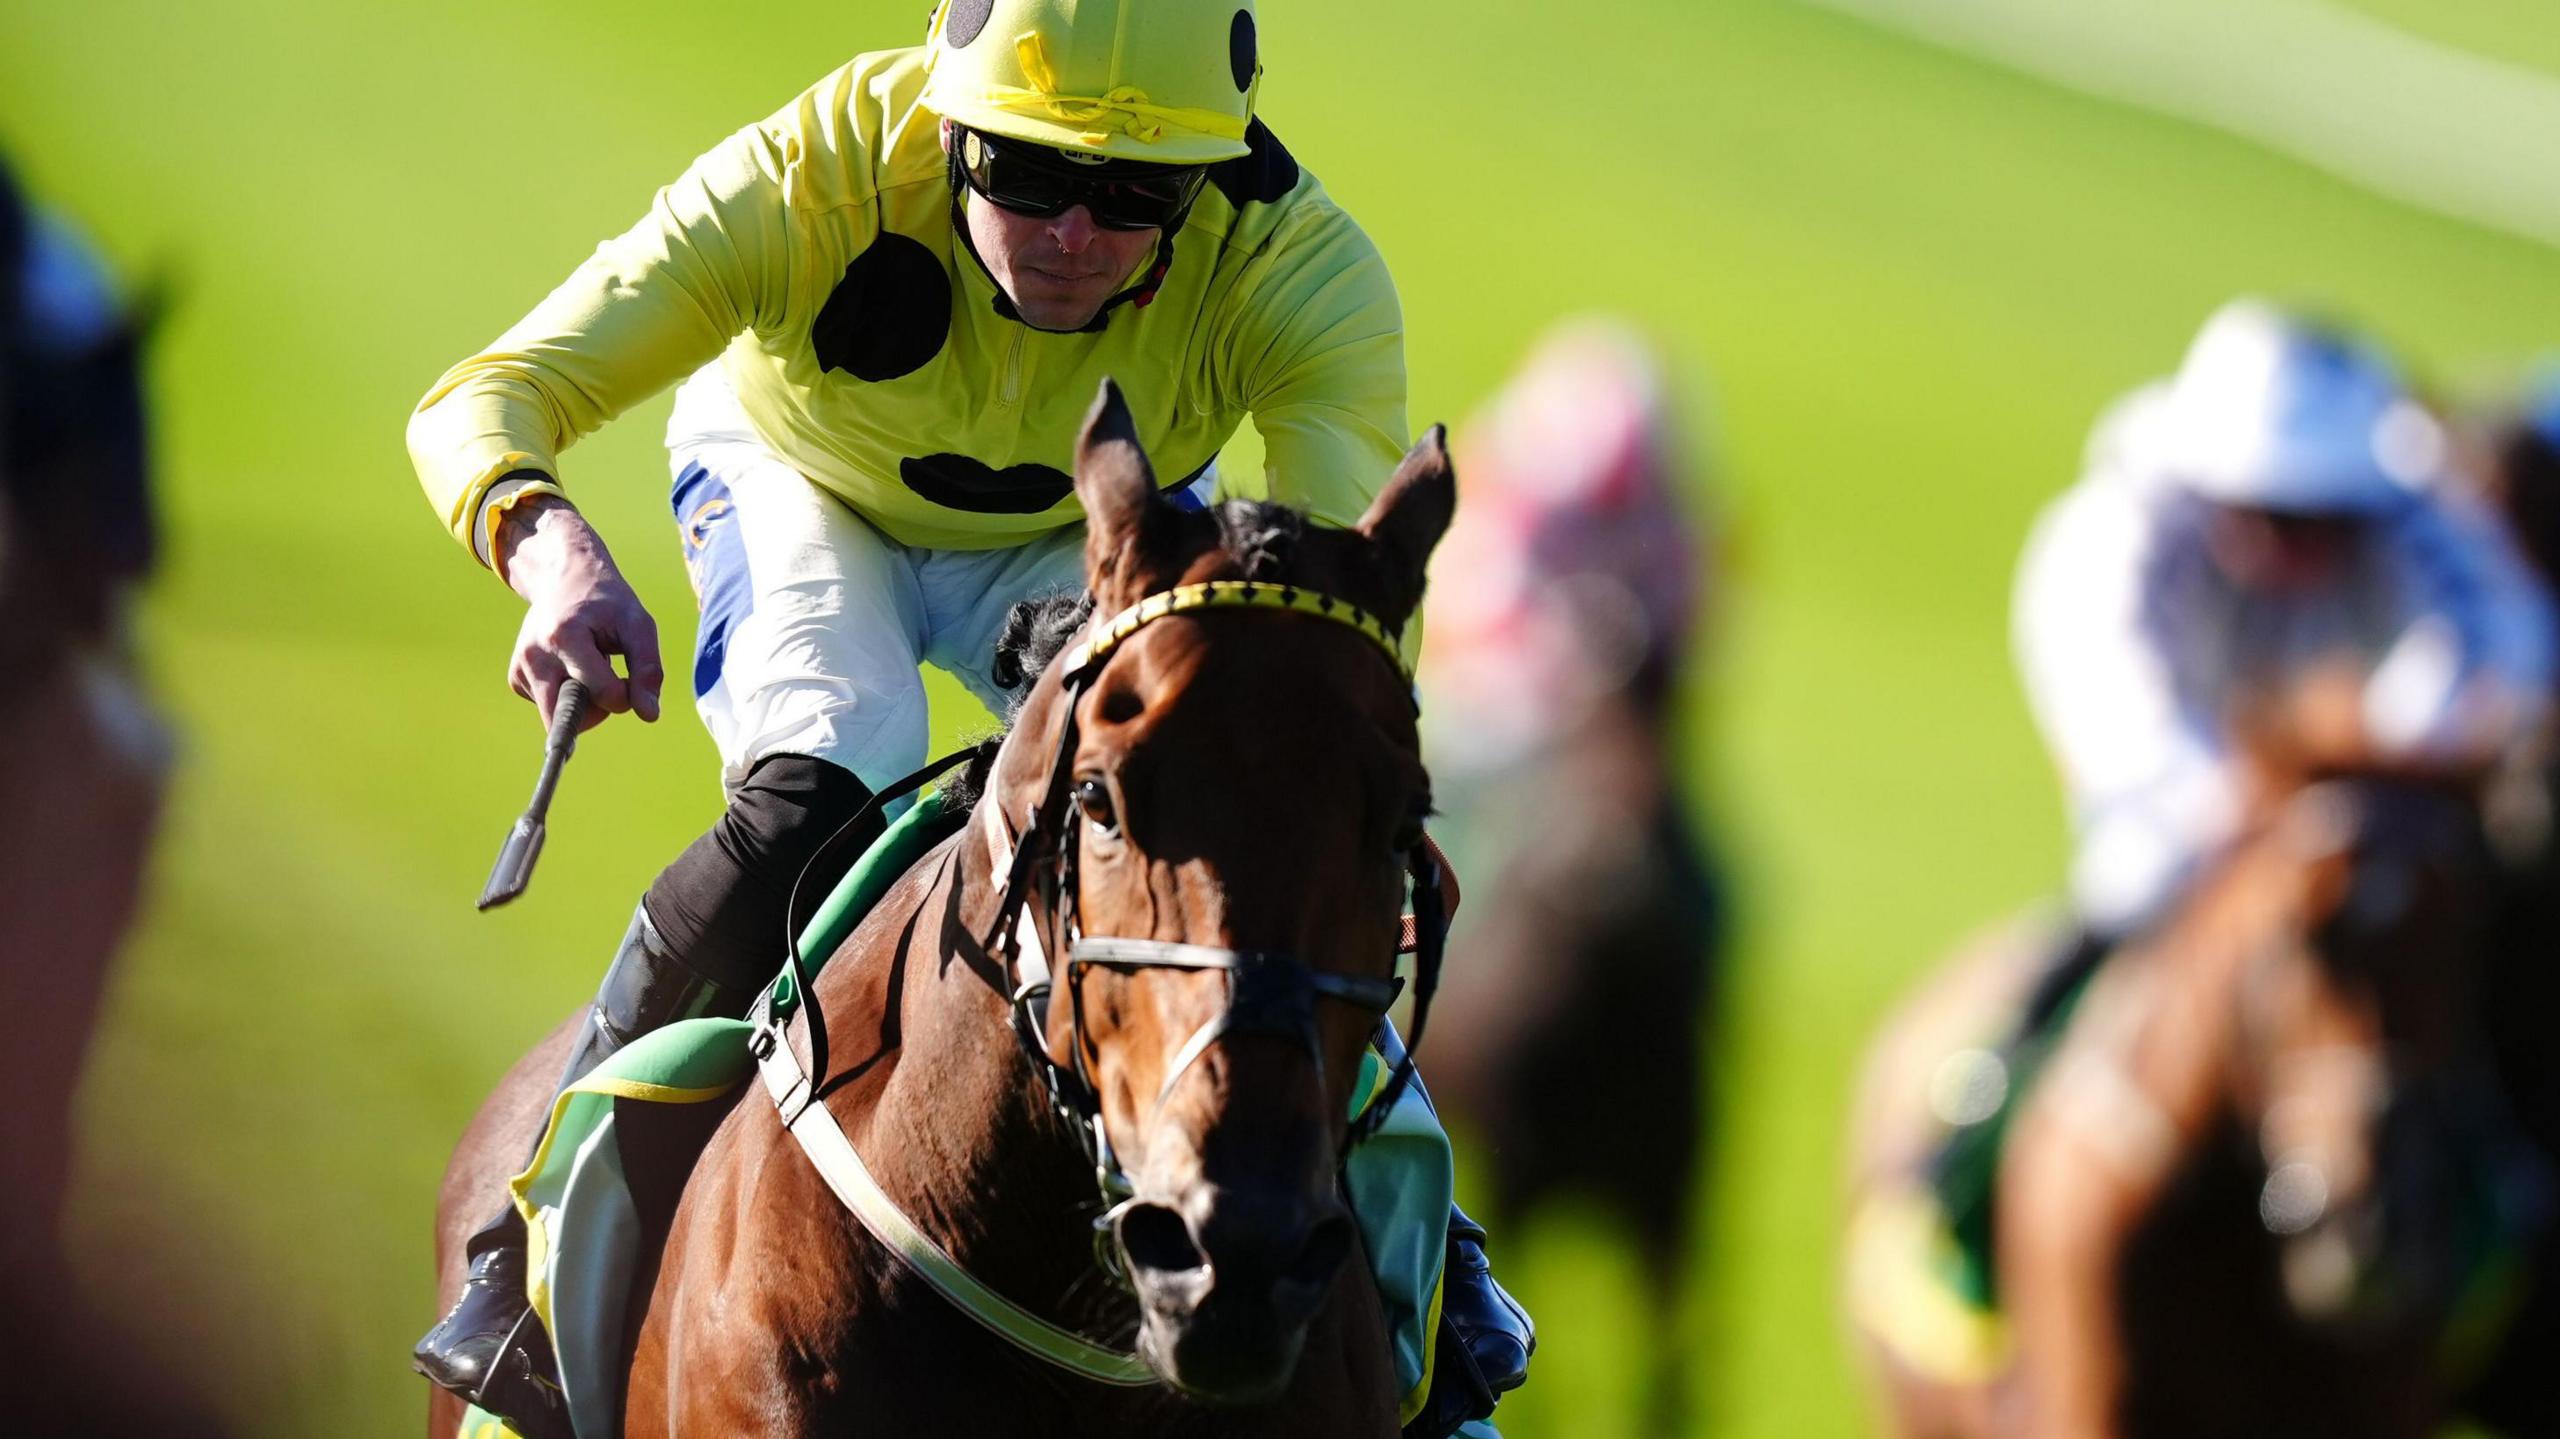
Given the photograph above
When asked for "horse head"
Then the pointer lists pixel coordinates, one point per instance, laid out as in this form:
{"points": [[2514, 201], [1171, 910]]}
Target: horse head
{"points": [[1238, 790], [2359, 1063]]}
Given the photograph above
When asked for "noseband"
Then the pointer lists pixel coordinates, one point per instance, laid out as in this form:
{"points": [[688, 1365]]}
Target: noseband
{"points": [[1270, 993]]}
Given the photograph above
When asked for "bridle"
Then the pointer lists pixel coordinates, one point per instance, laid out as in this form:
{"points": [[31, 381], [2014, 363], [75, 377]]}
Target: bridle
{"points": [[1270, 993]]}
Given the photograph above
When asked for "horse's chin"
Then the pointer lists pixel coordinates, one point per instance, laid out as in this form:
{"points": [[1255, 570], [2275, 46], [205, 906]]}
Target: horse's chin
{"points": [[1221, 1352]]}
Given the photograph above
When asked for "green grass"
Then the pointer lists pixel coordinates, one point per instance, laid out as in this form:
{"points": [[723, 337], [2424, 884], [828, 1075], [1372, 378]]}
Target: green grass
{"points": [[2519, 32], [1904, 282]]}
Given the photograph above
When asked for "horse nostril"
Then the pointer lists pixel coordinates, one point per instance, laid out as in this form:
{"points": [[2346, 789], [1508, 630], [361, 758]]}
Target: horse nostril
{"points": [[1154, 1237], [1328, 1245]]}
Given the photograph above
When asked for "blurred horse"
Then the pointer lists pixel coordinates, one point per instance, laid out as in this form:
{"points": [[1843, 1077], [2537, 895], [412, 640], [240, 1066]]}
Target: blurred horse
{"points": [[1221, 804], [1559, 622], [2266, 1184], [83, 759]]}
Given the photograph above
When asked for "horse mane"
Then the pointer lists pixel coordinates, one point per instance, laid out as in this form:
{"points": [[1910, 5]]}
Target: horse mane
{"points": [[1261, 536]]}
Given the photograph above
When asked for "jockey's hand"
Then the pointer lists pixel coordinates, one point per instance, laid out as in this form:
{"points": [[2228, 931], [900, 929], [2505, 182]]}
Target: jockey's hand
{"points": [[579, 612]]}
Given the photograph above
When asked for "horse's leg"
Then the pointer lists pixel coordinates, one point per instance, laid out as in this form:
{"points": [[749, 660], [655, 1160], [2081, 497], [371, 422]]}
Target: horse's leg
{"points": [[1659, 1218], [492, 1149]]}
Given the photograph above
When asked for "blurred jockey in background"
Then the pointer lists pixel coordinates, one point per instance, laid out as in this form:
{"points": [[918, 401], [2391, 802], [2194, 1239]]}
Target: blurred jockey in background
{"points": [[2279, 504], [1570, 575]]}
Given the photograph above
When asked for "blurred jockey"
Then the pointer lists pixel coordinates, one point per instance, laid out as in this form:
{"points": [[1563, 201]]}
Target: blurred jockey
{"points": [[889, 305], [2275, 505], [1570, 576]]}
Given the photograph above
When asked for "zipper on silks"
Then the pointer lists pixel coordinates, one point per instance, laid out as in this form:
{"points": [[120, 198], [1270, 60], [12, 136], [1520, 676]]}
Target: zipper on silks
{"points": [[1009, 391]]}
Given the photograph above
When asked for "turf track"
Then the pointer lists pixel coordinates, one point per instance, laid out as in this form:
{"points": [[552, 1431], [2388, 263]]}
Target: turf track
{"points": [[1912, 277]]}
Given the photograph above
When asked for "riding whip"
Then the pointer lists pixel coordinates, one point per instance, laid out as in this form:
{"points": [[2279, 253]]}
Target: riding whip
{"points": [[514, 869]]}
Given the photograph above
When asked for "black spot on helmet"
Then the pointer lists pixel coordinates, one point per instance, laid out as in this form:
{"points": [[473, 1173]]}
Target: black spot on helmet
{"points": [[889, 314], [967, 18], [1242, 52]]}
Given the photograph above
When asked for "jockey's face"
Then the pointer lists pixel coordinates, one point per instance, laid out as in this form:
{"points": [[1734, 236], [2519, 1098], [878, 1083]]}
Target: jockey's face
{"points": [[2274, 550], [1061, 269]]}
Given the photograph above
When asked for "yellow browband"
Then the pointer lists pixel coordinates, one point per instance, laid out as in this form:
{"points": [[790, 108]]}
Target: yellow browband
{"points": [[1232, 594]]}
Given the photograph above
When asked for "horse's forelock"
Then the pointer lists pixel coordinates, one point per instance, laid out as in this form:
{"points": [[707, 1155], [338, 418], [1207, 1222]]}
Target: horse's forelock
{"points": [[1239, 539]]}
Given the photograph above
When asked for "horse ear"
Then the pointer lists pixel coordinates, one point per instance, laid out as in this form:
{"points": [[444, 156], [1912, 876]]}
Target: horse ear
{"points": [[1411, 513], [1118, 490]]}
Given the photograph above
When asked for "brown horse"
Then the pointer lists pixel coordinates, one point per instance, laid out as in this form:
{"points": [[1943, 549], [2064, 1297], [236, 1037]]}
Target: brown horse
{"points": [[1589, 990], [2238, 1199], [1245, 783]]}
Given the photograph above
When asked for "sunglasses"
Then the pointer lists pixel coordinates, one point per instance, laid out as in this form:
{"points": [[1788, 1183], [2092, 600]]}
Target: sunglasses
{"points": [[1036, 181]]}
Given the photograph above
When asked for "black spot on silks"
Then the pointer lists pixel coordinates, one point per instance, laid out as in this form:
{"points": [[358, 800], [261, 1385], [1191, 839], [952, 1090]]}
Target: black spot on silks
{"points": [[890, 313], [1241, 51], [957, 482], [1261, 175], [968, 17]]}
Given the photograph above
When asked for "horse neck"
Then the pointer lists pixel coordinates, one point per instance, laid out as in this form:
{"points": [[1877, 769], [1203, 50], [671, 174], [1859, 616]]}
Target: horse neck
{"points": [[961, 1133]]}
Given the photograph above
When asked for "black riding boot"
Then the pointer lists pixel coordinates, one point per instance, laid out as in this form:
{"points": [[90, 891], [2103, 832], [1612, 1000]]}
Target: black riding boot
{"points": [[1485, 1340], [491, 1349], [1491, 1326]]}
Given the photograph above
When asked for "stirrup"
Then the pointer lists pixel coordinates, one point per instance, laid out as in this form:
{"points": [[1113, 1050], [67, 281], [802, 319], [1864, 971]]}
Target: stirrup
{"points": [[522, 1386]]}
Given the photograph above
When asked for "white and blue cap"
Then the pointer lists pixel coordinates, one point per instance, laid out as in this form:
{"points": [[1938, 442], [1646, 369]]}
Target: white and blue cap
{"points": [[2276, 412]]}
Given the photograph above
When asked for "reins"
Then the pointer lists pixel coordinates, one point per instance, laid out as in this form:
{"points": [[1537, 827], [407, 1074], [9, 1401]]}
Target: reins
{"points": [[1270, 992]]}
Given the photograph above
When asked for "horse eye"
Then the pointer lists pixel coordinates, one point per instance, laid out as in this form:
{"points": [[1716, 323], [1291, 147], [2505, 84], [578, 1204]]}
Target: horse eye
{"points": [[1094, 798]]}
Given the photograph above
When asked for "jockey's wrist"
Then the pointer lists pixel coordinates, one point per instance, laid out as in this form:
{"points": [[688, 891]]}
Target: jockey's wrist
{"points": [[509, 490], [540, 540]]}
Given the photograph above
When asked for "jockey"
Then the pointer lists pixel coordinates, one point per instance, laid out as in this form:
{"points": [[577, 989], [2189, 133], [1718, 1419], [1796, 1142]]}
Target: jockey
{"points": [[1571, 577], [888, 306], [2278, 503]]}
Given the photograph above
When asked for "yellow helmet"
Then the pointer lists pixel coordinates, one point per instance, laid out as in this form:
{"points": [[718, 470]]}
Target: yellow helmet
{"points": [[1170, 82]]}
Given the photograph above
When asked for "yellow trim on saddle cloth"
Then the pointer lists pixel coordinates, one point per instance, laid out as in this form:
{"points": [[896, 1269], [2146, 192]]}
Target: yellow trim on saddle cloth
{"points": [[1233, 594], [1898, 1253], [537, 1247], [1420, 1393]]}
